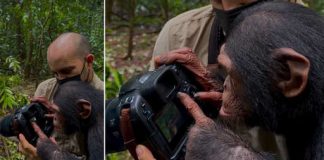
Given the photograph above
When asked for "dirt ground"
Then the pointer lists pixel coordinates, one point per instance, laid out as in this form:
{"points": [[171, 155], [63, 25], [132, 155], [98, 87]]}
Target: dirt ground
{"points": [[142, 53]]}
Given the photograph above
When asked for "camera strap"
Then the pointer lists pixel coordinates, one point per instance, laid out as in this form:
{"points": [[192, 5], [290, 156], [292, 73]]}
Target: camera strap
{"points": [[127, 132]]}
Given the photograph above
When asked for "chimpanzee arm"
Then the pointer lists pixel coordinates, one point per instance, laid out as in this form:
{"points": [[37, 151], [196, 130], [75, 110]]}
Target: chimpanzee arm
{"points": [[47, 150], [215, 141]]}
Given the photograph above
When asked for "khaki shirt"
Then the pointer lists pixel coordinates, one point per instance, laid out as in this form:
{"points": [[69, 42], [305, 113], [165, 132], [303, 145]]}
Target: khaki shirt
{"points": [[191, 29], [74, 143]]}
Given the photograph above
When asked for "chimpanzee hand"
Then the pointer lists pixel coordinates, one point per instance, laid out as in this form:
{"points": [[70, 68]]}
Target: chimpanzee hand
{"points": [[29, 150], [50, 106], [47, 148], [188, 59], [213, 98], [213, 140]]}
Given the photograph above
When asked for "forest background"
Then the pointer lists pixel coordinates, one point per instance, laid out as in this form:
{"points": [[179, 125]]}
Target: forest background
{"points": [[27, 27], [132, 27]]}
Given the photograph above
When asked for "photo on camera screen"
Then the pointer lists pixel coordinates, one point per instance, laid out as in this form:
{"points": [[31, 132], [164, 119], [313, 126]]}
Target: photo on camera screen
{"points": [[170, 121]]}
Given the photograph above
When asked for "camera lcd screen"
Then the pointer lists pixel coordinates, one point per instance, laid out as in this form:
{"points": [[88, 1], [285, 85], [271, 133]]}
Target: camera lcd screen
{"points": [[172, 124], [167, 121]]}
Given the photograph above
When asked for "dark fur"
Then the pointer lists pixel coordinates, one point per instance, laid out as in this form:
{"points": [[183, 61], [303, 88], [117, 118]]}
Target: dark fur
{"points": [[66, 97], [251, 44]]}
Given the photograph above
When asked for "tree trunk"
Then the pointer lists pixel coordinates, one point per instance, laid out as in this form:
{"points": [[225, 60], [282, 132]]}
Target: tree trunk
{"points": [[131, 29], [20, 36], [109, 6]]}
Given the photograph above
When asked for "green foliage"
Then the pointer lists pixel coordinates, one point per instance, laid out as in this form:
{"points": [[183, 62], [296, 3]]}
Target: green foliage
{"points": [[317, 5], [147, 14], [114, 80], [8, 97], [27, 28], [13, 64], [6, 152]]}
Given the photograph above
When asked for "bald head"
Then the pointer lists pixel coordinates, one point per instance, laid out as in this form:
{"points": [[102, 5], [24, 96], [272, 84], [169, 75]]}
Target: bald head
{"points": [[67, 53], [69, 44]]}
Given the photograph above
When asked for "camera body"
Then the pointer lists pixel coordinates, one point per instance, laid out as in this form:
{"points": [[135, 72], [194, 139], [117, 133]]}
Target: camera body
{"points": [[158, 119], [20, 122]]}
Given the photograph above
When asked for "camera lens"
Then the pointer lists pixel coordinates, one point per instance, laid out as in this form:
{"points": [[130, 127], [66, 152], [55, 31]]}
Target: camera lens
{"points": [[6, 126]]}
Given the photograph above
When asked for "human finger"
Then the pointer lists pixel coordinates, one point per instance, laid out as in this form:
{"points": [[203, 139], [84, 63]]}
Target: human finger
{"points": [[144, 153], [25, 147], [192, 108]]}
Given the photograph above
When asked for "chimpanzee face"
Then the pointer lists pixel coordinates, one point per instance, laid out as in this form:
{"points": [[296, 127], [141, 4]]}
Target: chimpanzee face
{"points": [[58, 119], [232, 106]]}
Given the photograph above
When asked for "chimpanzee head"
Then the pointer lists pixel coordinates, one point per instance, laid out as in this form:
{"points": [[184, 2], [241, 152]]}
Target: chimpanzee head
{"points": [[80, 106], [274, 59]]}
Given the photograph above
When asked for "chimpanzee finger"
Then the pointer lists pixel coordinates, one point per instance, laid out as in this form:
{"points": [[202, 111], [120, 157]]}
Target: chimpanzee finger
{"points": [[38, 131], [171, 58], [54, 107], [193, 108], [49, 116], [53, 140], [179, 55], [209, 96], [42, 100]]}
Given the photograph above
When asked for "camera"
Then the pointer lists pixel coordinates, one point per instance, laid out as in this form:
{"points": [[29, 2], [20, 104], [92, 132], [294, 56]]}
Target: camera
{"points": [[20, 122], [147, 111]]}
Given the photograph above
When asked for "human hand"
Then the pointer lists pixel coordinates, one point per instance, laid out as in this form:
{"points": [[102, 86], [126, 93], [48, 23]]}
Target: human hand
{"points": [[189, 60], [26, 148], [143, 153]]}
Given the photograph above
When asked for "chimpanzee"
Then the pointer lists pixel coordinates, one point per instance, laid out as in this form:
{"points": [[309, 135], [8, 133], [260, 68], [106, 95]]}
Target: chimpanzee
{"points": [[81, 109], [274, 60]]}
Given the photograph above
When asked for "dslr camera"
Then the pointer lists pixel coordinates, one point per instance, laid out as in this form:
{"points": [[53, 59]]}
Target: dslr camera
{"points": [[20, 122], [147, 111]]}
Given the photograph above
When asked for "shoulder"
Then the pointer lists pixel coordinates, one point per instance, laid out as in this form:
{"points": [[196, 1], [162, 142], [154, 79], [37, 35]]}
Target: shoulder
{"points": [[191, 15], [97, 83], [45, 87], [47, 82]]}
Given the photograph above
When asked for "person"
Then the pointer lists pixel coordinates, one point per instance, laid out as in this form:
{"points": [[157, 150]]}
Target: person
{"points": [[69, 58], [193, 29]]}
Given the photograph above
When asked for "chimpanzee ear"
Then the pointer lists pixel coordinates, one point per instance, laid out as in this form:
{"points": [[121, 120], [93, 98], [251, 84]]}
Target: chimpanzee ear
{"points": [[298, 69], [85, 107]]}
